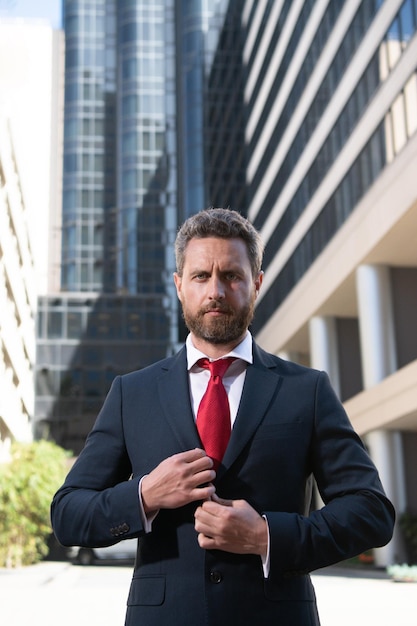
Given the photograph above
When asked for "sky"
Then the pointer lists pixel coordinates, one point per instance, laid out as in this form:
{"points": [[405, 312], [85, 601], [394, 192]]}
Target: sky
{"points": [[49, 10]]}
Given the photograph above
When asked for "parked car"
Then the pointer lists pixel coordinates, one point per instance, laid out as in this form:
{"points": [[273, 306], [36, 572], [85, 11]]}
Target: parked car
{"points": [[122, 551]]}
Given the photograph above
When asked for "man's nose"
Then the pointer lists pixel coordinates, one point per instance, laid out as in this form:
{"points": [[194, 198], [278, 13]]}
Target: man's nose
{"points": [[216, 288]]}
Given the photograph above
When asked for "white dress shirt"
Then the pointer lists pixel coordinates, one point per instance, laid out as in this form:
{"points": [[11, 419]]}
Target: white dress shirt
{"points": [[233, 379]]}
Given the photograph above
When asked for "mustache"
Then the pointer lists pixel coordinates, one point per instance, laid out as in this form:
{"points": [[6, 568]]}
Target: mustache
{"points": [[216, 306]]}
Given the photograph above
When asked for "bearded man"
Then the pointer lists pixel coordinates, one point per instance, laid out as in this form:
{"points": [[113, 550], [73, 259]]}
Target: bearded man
{"points": [[208, 456]]}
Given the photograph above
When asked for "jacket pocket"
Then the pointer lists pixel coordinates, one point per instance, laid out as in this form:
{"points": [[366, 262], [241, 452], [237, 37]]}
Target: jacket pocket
{"points": [[147, 591]]}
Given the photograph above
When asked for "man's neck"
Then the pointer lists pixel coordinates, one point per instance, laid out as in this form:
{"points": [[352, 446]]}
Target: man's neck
{"points": [[213, 350]]}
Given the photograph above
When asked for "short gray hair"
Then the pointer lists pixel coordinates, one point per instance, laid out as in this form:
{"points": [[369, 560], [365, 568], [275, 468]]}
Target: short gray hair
{"points": [[222, 223]]}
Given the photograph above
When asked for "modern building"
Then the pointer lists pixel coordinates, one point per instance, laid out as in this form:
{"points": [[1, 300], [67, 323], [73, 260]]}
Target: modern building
{"points": [[135, 165], [30, 52], [31, 89], [118, 212], [331, 97], [17, 303], [225, 111], [116, 308]]}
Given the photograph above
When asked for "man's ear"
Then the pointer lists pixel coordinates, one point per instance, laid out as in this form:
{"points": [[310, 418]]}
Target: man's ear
{"points": [[177, 281], [258, 282]]}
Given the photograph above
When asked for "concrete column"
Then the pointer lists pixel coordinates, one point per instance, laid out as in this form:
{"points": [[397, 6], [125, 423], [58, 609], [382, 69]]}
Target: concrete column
{"points": [[323, 348], [385, 448], [378, 354], [324, 356], [376, 323]]}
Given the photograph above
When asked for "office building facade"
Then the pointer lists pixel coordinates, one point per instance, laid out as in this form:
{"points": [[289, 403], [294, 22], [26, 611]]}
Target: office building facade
{"points": [[331, 97], [30, 87], [115, 310], [17, 303]]}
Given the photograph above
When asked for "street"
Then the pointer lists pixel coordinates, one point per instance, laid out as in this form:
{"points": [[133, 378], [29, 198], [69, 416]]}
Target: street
{"points": [[61, 593], [349, 598], [53, 593]]}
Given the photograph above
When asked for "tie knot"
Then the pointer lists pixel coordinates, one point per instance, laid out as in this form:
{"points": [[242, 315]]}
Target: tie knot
{"points": [[217, 368]]}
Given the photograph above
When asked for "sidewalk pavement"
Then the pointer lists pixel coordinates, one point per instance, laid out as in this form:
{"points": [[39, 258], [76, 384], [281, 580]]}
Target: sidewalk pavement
{"points": [[364, 597], [51, 593], [58, 592]]}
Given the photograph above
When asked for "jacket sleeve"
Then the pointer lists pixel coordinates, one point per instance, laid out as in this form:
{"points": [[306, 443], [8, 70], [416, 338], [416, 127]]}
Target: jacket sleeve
{"points": [[356, 515], [98, 504]]}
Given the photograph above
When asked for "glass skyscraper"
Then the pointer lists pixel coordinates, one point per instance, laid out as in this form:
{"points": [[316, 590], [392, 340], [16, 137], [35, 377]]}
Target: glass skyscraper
{"points": [[135, 166], [119, 145], [117, 308]]}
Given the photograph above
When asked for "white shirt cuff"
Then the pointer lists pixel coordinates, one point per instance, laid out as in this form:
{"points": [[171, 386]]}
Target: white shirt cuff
{"points": [[266, 558], [146, 520]]}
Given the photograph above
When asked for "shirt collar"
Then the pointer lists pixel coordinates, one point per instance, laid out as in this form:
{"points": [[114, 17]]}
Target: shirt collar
{"points": [[242, 351]]}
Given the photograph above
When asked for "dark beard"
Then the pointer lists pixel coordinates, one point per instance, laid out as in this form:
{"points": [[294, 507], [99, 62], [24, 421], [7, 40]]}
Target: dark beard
{"points": [[223, 330]]}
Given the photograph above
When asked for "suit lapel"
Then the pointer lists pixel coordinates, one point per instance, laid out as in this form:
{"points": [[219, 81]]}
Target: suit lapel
{"points": [[174, 396], [262, 382]]}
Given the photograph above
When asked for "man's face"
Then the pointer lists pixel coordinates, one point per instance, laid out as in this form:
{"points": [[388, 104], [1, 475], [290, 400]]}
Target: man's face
{"points": [[217, 291]]}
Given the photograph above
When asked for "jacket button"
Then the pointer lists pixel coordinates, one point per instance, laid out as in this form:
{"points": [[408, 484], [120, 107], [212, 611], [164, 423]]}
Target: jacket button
{"points": [[215, 577]]}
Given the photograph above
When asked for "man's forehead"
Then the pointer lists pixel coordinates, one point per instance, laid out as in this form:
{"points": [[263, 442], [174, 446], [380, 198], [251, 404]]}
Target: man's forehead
{"points": [[218, 242], [216, 248]]}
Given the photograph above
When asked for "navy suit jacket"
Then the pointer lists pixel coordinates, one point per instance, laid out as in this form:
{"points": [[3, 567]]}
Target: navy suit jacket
{"points": [[290, 427]]}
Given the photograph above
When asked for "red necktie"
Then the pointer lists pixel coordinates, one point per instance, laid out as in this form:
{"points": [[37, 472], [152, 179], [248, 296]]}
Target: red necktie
{"points": [[213, 416]]}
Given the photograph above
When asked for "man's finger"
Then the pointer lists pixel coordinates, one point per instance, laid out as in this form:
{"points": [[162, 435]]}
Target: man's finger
{"points": [[222, 501]]}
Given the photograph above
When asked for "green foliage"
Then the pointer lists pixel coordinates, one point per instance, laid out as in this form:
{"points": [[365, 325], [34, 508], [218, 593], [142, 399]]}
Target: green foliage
{"points": [[27, 485]]}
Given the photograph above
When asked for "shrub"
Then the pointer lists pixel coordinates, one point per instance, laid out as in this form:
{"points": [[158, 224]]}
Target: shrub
{"points": [[27, 485]]}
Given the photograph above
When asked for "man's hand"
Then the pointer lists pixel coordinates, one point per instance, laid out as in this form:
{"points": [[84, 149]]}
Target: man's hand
{"points": [[232, 526], [177, 481]]}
